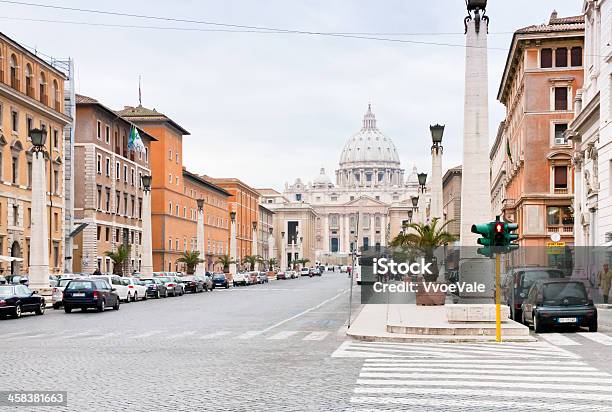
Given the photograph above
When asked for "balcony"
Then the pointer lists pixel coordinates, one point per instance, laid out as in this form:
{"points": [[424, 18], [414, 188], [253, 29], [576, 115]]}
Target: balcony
{"points": [[565, 229], [560, 190], [44, 99]]}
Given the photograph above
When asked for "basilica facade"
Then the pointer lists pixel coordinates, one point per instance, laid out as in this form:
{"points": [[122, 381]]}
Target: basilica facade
{"points": [[364, 206]]}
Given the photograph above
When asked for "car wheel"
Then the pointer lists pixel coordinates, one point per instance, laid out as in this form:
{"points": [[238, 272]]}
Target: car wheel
{"points": [[67, 309], [523, 320], [56, 306], [537, 328], [17, 311], [227, 286], [40, 309], [593, 327], [116, 305], [101, 306], [145, 297], [157, 295]]}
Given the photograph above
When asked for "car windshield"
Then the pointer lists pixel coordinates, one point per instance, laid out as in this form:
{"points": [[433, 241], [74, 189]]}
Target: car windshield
{"points": [[148, 281], [565, 293], [75, 284], [164, 279], [188, 278], [6, 291], [219, 277], [63, 282], [529, 277]]}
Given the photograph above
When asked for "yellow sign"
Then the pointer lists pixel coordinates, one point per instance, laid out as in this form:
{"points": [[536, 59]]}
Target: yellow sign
{"points": [[555, 244], [555, 248]]}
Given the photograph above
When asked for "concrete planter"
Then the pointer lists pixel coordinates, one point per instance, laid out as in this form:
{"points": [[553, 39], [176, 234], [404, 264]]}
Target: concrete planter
{"points": [[431, 297]]}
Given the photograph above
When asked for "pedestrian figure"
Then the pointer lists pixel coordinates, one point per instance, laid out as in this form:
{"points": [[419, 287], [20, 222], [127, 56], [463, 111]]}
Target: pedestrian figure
{"points": [[604, 281]]}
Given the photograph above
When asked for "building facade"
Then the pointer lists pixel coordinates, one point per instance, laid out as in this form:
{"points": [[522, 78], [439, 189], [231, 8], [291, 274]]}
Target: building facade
{"points": [[591, 131], [451, 199], [31, 96], [172, 228], [108, 195], [216, 218], [543, 71], [265, 231]]}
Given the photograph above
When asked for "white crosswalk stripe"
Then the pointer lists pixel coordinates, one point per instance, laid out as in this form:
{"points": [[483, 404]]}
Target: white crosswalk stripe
{"points": [[283, 335], [558, 339], [250, 334], [402, 376], [318, 335], [216, 334], [597, 337]]}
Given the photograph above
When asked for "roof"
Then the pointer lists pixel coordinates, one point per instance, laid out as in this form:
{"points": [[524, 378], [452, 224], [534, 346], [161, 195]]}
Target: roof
{"points": [[268, 192], [457, 170], [33, 56], [266, 209], [86, 100], [573, 25], [498, 138], [199, 179], [230, 181], [143, 114]]}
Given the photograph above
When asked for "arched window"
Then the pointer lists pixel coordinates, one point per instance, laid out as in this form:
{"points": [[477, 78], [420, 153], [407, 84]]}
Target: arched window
{"points": [[1, 68], [55, 96], [14, 72], [42, 95], [29, 80]]}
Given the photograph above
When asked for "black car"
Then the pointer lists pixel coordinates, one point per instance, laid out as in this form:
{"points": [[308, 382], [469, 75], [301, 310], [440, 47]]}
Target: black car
{"points": [[559, 302], [220, 280], [517, 283], [155, 288], [90, 293], [18, 299], [192, 284]]}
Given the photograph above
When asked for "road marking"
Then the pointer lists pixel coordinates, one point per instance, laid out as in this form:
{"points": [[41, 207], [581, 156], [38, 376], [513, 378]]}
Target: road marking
{"points": [[282, 322], [105, 336], [464, 376], [250, 334], [597, 337], [390, 366], [558, 339], [283, 335], [181, 335], [507, 371], [146, 335], [316, 336], [216, 334], [81, 334], [470, 362], [485, 384]]}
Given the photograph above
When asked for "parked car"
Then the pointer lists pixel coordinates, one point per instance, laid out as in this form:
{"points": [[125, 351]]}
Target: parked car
{"points": [[207, 282], [115, 282], [192, 284], [281, 275], [95, 292], [241, 278], [57, 292], [155, 287], [173, 285], [263, 277], [517, 283], [18, 299], [220, 280], [304, 271], [53, 280], [315, 271], [344, 269], [559, 302], [254, 277], [291, 274], [17, 279], [136, 290]]}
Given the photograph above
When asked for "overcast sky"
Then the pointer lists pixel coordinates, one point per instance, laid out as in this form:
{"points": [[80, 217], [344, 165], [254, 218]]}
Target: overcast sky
{"points": [[268, 108]]}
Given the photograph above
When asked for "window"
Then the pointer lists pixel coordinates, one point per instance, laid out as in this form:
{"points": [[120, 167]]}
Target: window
{"points": [[56, 182], [177, 157], [29, 80], [29, 125], [107, 134], [54, 95], [117, 171], [139, 179], [561, 57], [108, 197], [125, 173], [108, 166], [560, 215], [560, 139], [42, 86], [184, 211], [576, 56], [169, 208], [98, 233], [132, 176], [14, 121], [125, 204], [177, 245], [99, 198], [146, 155], [15, 215], [139, 208], [107, 234], [545, 58], [560, 176], [14, 72], [560, 98], [178, 210], [170, 244], [117, 201], [133, 206], [55, 139], [29, 174], [98, 130], [368, 177], [170, 154], [170, 178], [99, 164], [15, 170], [298, 197]]}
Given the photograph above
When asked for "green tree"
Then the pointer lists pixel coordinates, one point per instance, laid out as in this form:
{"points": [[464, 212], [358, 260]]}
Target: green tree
{"points": [[120, 259], [425, 238], [191, 259], [251, 260], [270, 263], [225, 261], [302, 261]]}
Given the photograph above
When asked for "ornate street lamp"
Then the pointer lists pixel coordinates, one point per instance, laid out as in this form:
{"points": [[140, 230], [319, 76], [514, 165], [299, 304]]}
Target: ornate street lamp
{"points": [[254, 224], [200, 204], [437, 131], [422, 181], [415, 201], [146, 182], [233, 216], [270, 230], [476, 4], [410, 215], [39, 137]]}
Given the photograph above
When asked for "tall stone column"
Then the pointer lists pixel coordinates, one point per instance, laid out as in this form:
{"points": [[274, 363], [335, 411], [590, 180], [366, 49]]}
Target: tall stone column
{"points": [[39, 246], [233, 268], [201, 267], [283, 257], [271, 252], [383, 230], [146, 267], [254, 248], [475, 187], [326, 241], [436, 171], [422, 206]]}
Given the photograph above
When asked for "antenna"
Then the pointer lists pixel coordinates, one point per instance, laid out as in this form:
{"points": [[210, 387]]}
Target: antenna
{"points": [[139, 92]]}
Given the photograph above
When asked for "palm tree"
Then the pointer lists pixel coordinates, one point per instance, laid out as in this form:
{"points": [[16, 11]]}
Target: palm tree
{"points": [[191, 259], [120, 258], [302, 261], [424, 237], [271, 263], [225, 261], [251, 260]]}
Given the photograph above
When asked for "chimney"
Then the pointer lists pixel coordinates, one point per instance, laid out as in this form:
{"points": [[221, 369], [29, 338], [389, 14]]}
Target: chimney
{"points": [[553, 16]]}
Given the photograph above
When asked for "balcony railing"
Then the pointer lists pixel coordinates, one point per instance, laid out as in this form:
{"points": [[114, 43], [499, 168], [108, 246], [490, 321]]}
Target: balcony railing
{"points": [[560, 190], [560, 229]]}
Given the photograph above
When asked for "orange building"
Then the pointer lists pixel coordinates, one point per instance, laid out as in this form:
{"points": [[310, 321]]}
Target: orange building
{"points": [[542, 74], [244, 200], [216, 218], [172, 226]]}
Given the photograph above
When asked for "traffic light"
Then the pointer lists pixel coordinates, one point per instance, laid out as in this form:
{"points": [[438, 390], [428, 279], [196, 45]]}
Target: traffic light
{"points": [[511, 238], [499, 234], [485, 230], [497, 237]]}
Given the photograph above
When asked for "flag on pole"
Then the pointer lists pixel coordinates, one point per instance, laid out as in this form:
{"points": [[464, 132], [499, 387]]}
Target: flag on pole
{"points": [[135, 142], [508, 152]]}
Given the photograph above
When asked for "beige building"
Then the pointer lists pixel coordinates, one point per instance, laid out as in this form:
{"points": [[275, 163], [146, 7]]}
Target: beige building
{"points": [[451, 195], [265, 230], [31, 96]]}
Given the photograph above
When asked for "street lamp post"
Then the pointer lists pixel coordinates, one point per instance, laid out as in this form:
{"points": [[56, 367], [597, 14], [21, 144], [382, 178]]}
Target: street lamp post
{"points": [[254, 248], [271, 253], [201, 267], [437, 131], [233, 268], [146, 267], [39, 231], [421, 199]]}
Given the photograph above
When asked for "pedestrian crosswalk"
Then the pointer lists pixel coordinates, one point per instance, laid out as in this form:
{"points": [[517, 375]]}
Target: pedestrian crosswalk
{"points": [[440, 377], [565, 340]]}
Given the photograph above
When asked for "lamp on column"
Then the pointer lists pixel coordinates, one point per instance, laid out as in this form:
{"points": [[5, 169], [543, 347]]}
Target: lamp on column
{"points": [[200, 204], [410, 216], [233, 216], [39, 138], [254, 225], [415, 201], [437, 132], [422, 181], [146, 182]]}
